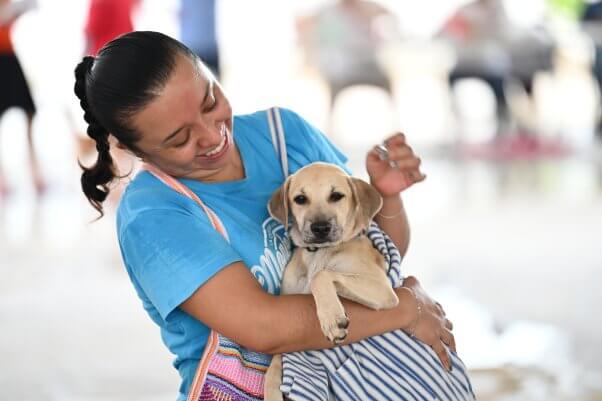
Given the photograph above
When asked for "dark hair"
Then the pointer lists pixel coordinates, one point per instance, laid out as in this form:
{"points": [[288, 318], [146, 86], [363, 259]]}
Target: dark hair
{"points": [[124, 77]]}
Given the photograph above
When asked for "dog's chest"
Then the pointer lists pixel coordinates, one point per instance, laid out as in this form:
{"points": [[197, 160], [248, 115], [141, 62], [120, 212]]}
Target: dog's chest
{"points": [[316, 261], [310, 264], [352, 257], [335, 259]]}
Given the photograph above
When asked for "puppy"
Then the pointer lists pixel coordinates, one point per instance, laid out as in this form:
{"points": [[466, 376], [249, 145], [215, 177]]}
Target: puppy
{"points": [[329, 212]]}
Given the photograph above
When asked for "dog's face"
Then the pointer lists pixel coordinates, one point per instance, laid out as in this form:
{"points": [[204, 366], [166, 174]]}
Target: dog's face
{"points": [[326, 206]]}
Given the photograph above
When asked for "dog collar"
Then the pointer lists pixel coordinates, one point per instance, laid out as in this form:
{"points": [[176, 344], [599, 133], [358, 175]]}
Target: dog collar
{"points": [[313, 249]]}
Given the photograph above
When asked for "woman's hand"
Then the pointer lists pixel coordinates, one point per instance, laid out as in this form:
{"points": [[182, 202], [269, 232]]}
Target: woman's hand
{"points": [[431, 325], [399, 171]]}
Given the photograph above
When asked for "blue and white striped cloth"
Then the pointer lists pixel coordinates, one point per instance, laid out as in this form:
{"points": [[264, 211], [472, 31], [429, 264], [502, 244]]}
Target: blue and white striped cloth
{"points": [[392, 366]]}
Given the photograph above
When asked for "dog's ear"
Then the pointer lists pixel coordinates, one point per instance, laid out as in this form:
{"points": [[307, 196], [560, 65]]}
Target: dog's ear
{"points": [[368, 202], [278, 205]]}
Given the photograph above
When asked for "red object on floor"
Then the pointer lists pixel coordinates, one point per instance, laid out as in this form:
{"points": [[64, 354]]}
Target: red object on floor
{"points": [[517, 146]]}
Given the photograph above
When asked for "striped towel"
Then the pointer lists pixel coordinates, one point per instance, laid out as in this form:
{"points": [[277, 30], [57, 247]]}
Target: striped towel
{"points": [[392, 366]]}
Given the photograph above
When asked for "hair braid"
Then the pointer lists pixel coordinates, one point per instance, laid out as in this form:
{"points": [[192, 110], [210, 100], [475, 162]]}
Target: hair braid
{"points": [[95, 180]]}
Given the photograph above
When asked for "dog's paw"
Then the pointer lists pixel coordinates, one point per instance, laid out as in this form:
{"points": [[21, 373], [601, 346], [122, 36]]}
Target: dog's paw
{"points": [[335, 327]]}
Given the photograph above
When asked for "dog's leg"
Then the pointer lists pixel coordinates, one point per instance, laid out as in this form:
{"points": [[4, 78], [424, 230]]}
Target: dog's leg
{"points": [[374, 291], [273, 379], [331, 314]]}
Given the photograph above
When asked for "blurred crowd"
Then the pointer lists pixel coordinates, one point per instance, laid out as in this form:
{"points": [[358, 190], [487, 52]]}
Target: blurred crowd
{"points": [[494, 78], [499, 78]]}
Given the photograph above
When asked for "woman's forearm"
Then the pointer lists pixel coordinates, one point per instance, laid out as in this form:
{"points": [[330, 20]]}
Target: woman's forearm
{"points": [[292, 324], [233, 303], [393, 220]]}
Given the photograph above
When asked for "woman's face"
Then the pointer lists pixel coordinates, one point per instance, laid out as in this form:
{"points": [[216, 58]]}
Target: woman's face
{"points": [[187, 129]]}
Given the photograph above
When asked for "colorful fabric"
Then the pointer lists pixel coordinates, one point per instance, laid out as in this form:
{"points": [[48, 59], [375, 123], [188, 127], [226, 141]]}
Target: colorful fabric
{"points": [[234, 373]]}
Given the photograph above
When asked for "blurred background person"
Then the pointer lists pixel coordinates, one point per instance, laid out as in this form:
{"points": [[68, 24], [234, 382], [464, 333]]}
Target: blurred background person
{"points": [[342, 41], [14, 90], [198, 31], [490, 47], [592, 25], [106, 20]]}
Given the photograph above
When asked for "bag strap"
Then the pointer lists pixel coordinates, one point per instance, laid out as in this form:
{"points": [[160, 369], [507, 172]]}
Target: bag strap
{"points": [[277, 131], [184, 190], [212, 341]]}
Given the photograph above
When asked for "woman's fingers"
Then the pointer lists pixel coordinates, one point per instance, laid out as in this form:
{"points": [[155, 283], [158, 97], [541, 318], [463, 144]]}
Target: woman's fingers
{"points": [[405, 160], [442, 354], [448, 339], [416, 176], [396, 139], [440, 309], [399, 152]]}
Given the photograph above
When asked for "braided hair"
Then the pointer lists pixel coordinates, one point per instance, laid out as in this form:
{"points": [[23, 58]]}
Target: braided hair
{"points": [[95, 180], [127, 74]]}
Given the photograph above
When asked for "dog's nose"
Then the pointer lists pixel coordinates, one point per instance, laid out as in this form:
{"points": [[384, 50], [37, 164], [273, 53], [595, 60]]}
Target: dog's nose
{"points": [[321, 228]]}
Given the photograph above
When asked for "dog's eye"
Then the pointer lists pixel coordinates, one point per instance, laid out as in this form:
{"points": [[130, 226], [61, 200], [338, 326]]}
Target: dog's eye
{"points": [[336, 196], [300, 199]]}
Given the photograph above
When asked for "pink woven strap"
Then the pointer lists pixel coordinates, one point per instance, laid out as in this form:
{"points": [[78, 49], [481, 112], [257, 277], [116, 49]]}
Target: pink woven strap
{"points": [[184, 190], [196, 388], [212, 341]]}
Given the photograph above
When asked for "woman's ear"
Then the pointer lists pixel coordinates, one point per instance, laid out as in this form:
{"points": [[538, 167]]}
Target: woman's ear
{"points": [[368, 202], [278, 205]]}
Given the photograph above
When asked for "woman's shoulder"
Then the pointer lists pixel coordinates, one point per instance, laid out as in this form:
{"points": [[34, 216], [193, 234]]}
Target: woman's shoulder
{"points": [[262, 122], [145, 194], [261, 119]]}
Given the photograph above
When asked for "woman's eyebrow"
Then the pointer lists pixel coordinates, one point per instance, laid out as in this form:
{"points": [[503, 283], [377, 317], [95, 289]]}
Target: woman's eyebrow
{"points": [[208, 88], [172, 135]]}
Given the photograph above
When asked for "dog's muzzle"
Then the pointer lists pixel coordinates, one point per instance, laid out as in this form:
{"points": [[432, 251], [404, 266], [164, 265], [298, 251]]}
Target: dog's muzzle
{"points": [[321, 230]]}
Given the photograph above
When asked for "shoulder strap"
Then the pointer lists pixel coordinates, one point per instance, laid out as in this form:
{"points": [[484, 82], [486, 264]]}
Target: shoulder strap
{"points": [[277, 131], [212, 341], [184, 190]]}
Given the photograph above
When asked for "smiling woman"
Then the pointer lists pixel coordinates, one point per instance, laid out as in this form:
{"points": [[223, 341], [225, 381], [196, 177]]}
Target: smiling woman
{"points": [[162, 105], [188, 128]]}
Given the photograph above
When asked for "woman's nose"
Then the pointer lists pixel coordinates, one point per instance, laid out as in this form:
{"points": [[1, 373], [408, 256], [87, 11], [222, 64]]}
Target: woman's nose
{"points": [[209, 135]]}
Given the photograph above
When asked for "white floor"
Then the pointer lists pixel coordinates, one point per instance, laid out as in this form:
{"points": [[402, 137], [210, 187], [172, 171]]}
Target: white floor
{"points": [[516, 242]]}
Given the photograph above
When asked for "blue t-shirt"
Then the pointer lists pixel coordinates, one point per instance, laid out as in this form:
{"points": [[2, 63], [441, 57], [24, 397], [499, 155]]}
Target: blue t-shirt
{"points": [[170, 248]]}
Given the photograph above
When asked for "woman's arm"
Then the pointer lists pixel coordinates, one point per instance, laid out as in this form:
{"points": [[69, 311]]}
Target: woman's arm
{"points": [[390, 176], [393, 220], [234, 304]]}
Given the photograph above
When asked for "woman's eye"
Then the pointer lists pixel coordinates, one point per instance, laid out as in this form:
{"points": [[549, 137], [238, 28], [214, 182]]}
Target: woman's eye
{"points": [[181, 144], [300, 199], [336, 196]]}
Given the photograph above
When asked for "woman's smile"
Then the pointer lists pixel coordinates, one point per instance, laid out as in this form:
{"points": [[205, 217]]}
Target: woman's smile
{"points": [[220, 150]]}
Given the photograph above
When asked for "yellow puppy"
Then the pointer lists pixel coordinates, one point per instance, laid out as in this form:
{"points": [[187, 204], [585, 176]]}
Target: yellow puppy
{"points": [[329, 212]]}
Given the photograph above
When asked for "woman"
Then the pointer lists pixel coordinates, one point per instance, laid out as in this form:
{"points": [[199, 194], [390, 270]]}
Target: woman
{"points": [[161, 104]]}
